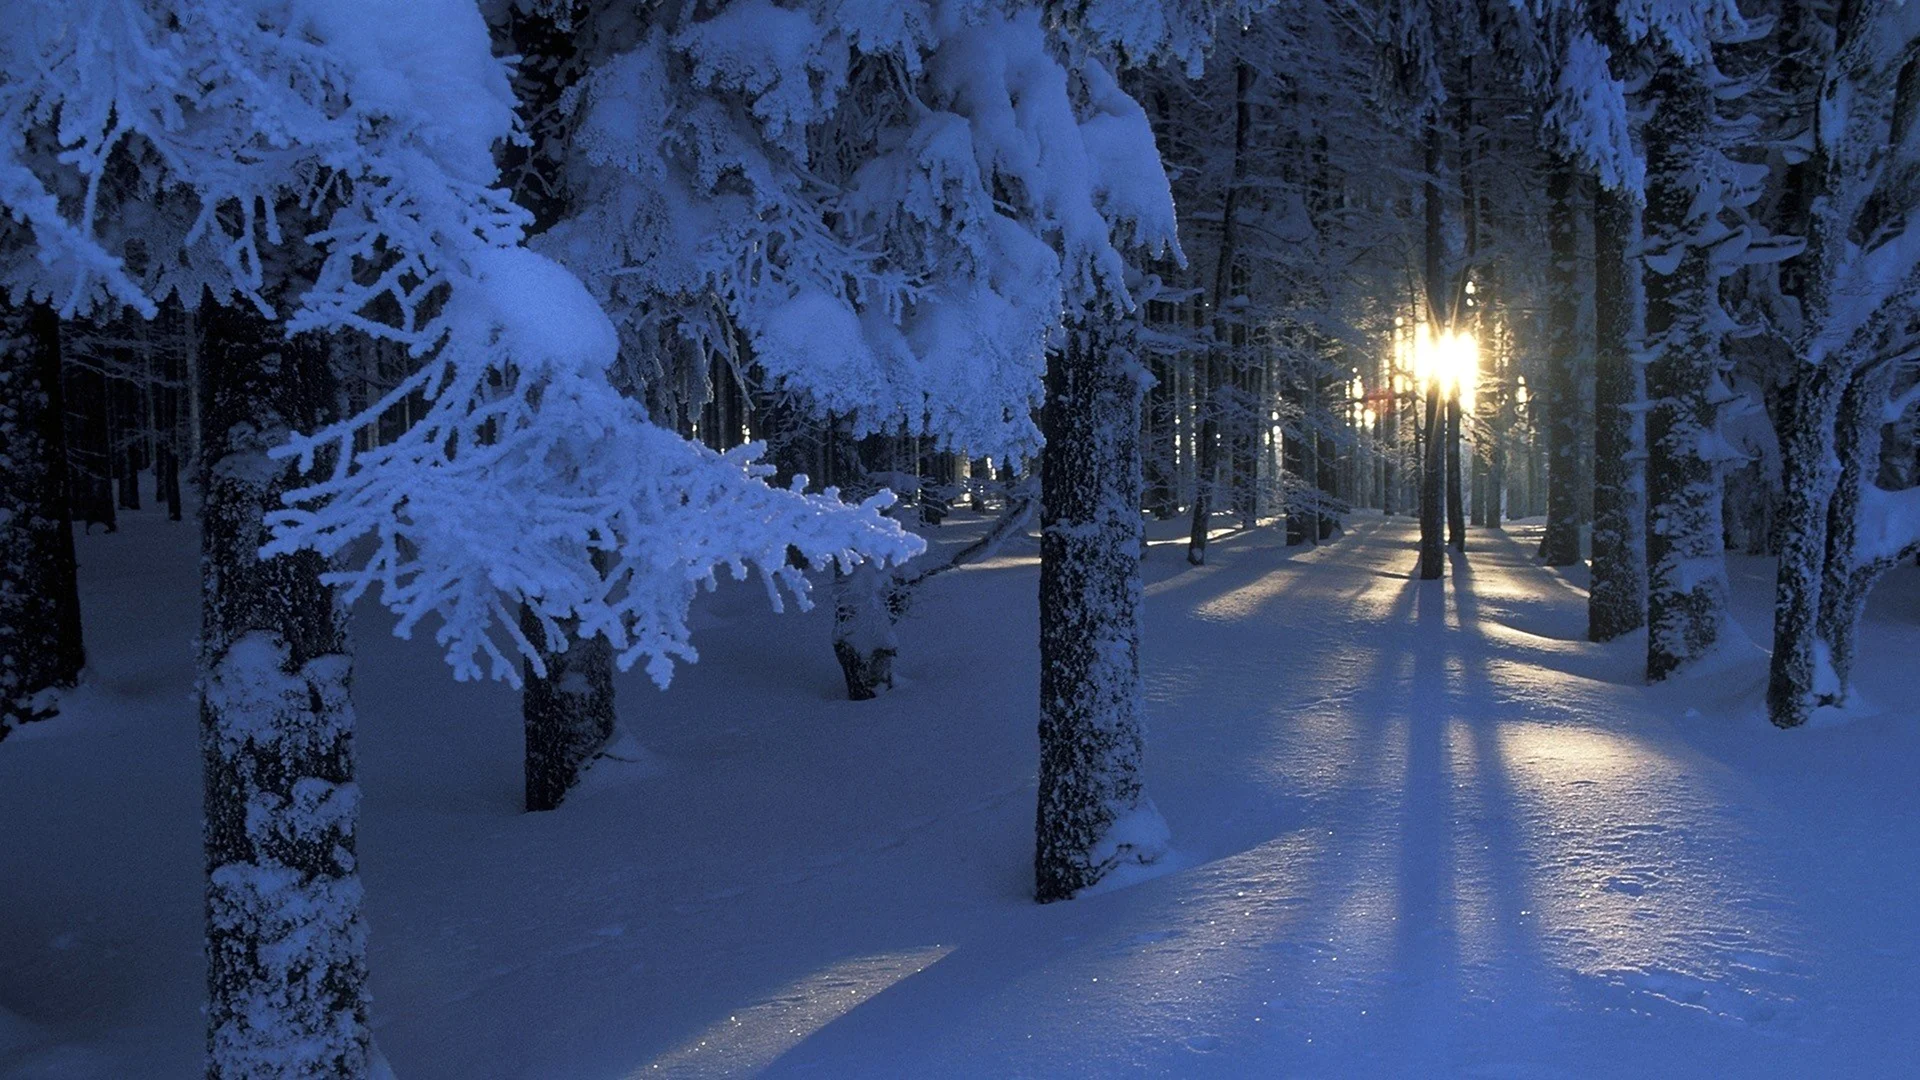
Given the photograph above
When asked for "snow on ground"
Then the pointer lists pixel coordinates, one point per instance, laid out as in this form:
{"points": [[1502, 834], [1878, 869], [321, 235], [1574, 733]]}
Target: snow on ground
{"points": [[1421, 830]]}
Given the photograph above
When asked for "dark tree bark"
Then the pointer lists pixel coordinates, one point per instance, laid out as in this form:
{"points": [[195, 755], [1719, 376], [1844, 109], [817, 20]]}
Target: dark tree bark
{"points": [[1433, 555], [1440, 315], [130, 473], [1456, 512], [1093, 815], [41, 650], [286, 942], [1293, 459], [863, 639], [89, 448], [1810, 406], [1503, 414], [568, 714], [1807, 490], [1617, 601], [1845, 577], [1223, 283], [1686, 562], [166, 467], [1561, 544], [1469, 209], [1389, 424]]}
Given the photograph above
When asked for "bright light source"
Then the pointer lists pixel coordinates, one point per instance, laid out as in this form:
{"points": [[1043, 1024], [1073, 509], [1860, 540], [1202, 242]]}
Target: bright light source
{"points": [[1448, 361]]}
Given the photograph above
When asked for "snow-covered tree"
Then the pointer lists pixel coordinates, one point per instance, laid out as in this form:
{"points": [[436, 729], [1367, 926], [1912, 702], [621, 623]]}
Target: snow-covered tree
{"points": [[1691, 243], [41, 651], [1843, 308], [338, 164]]}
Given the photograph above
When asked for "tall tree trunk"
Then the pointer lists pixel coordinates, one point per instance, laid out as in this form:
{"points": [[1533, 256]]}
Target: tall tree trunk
{"points": [[1561, 544], [1806, 491], [1811, 404], [1223, 284], [286, 942], [568, 715], [1846, 579], [1470, 215], [40, 642], [1093, 815], [89, 486], [1503, 424], [1617, 601], [1686, 558], [1433, 558], [1440, 318], [1389, 424], [1456, 511]]}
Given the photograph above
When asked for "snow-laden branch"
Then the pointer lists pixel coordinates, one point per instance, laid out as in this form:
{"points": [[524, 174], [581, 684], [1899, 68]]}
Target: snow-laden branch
{"points": [[188, 131], [531, 478], [893, 213]]}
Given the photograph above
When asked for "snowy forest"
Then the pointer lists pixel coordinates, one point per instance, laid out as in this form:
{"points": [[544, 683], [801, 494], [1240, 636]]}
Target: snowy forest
{"points": [[591, 539]]}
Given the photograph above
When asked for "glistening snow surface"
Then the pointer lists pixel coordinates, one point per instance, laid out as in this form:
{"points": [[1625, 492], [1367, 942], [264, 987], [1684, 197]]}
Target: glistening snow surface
{"points": [[1419, 829]]}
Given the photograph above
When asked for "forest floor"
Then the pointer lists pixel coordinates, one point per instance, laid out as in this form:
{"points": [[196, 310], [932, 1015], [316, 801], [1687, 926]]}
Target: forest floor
{"points": [[1421, 829]]}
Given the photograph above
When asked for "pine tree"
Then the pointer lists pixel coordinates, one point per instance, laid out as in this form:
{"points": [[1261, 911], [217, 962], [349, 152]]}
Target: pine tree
{"points": [[1093, 814], [1616, 602], [1686, 567], [1439, 312], [1852, 198], [286, 937], [567, 703], [1221, 295], [1560, 545], [41, 650]]}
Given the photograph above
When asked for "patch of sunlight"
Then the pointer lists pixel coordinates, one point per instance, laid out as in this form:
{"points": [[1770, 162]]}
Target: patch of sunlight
{"points": [[1648, 871], [1243, 601], [1568, 754], [754, 1037]]}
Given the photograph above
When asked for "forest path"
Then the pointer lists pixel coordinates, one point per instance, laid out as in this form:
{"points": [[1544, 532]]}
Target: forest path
{"points": [[1421, 829]]}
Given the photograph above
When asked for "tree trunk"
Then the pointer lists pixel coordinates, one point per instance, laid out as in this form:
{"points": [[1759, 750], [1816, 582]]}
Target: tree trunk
{"points": [[286, 942], [1389, 425], [1222, 286], [863, 637], [1845, 580], [1816, 545], [568, 715], [1617, 601], [1433, 557], [130, 475], [167, 465], [1561, 544], [1686, 560], [1503, 424], [89, 487], [41, 650], [1456, 509], [1093, 816], [1807, 490]]}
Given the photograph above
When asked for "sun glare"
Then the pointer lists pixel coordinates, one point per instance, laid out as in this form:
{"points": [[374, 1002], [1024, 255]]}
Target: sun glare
{"points": [[1450, 360]]}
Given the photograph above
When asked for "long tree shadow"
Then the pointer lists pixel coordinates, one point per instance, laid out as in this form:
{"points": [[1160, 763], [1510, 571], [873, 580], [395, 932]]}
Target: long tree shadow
{"points": [[1512, 903]]}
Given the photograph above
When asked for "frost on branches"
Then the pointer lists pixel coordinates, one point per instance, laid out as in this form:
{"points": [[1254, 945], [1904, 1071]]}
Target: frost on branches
{"points": [[890, 204], [374, 130], [337, 160], [528, 464]]}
